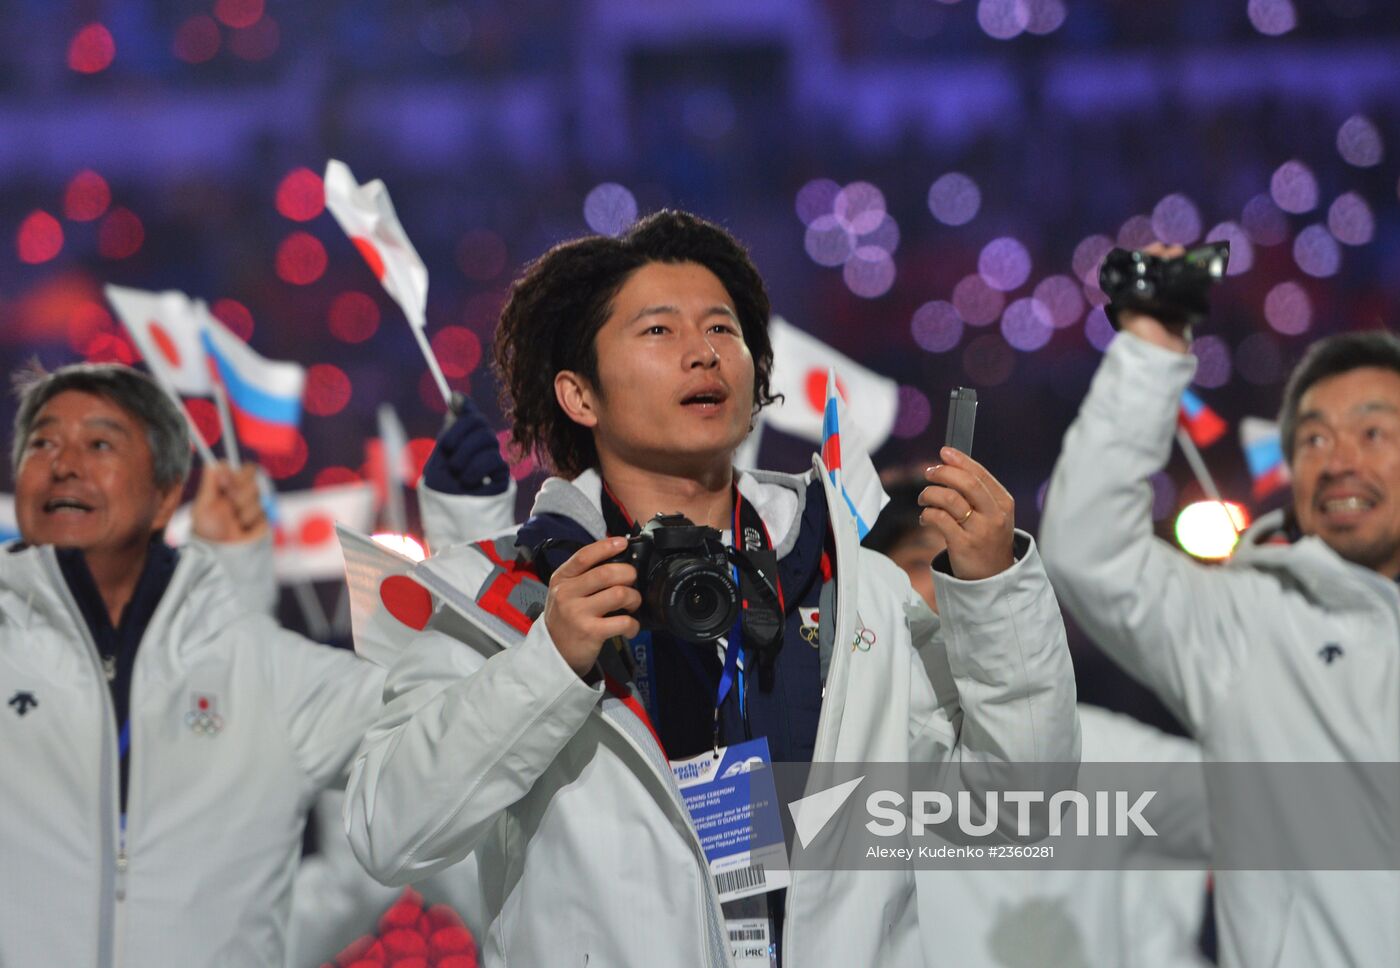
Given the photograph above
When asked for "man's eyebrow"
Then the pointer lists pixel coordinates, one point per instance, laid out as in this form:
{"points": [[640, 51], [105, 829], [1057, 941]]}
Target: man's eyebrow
{"points": [[1374, 406], [666, 310], [103, 423], [1361, 409], [662, 310]]}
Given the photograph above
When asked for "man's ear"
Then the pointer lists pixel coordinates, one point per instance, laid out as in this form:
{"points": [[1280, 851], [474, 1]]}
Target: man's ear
{"points": [[576, 398], [169, 501]]}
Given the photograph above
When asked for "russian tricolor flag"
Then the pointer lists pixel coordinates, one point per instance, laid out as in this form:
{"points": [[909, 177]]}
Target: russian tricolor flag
{"points": [[852, 473], [9, 528], [1263, 452], [1202, 424], [264, 395]]}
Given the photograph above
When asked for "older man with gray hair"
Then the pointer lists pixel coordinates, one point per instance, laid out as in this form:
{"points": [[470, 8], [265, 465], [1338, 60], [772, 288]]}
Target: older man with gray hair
{"points": [[163, 738]]}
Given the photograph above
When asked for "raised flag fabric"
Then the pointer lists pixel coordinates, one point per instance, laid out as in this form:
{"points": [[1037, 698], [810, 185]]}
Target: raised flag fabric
{"points": [[848, 462], [264, 395], [800, 366], [368, 218], [303, 529], [304, 532], [167, 329], [9, 525], [386, 603], [1202, 424], [1263, 453]]}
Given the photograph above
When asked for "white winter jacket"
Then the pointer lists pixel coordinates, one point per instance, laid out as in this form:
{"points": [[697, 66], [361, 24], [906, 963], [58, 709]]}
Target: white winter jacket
{"points": [[1236, 652], [214, 815], [585, 850], [1111, 918]]}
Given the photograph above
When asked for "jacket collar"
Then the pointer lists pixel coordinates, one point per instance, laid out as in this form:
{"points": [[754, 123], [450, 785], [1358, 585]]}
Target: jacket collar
{"points": [[198, 603], [1325, 576]]}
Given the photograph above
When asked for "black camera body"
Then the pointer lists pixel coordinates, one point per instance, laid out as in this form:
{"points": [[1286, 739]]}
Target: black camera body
{"points": [[684, 577], [1175, 291]]}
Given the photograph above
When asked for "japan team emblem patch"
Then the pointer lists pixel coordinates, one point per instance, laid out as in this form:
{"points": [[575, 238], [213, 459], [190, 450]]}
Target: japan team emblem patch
{"points": [[203, 719]]}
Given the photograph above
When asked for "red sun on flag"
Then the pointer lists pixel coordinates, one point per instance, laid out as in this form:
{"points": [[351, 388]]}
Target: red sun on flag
{"points": [[371, 254], [316, 530], [815, 386], [164, 343], [407, 601]]}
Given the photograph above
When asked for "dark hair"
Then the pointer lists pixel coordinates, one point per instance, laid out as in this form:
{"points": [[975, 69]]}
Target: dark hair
{"points": [[132, 390], [1330, 357], [565, 296], [899, 518]]}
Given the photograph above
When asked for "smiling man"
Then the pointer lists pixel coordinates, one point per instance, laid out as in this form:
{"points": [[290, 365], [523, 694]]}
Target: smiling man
{"points": [[635, 366], [1289, 653], [155, 789]]}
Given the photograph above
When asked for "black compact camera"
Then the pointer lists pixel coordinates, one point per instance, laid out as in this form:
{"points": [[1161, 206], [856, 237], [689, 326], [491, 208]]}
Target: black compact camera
{"points": [[684, 577], [1175, 291]]}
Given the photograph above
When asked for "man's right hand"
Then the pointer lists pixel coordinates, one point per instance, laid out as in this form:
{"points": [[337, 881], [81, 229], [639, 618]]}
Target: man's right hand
{"points": [[584, 594], [1150, 328]]}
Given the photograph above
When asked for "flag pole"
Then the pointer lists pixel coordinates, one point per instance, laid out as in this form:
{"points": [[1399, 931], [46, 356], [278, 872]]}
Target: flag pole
{"points": [[1198, 464], [433, 367], [196, 436], [317, 626], [226, 420]]}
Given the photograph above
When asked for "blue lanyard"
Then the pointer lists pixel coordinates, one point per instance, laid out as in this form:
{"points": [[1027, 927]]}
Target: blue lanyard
{"points": [[732, 672]]}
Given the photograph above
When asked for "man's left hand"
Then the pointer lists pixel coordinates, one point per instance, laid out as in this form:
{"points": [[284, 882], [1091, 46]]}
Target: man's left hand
{"points": [[228, 505], [973, 512]]}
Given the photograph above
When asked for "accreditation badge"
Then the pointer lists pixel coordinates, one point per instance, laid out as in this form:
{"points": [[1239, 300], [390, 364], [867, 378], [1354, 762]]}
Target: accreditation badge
{"points": [[734, 807]]}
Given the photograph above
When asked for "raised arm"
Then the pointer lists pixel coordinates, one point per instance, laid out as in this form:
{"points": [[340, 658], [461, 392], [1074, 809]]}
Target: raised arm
{"points": [[1171, 622]]}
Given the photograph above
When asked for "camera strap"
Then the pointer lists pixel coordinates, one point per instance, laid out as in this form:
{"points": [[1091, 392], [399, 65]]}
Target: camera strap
{"points": [[759, 629]]}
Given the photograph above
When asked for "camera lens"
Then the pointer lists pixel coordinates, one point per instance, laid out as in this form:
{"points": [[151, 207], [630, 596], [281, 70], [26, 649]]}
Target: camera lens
{"points": [[700, 602]]}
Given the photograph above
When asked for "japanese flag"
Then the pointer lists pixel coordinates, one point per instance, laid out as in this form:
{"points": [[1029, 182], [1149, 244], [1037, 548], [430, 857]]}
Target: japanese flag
{"points": [[367, 216], [387, 606], [800, 365], [167, 328], [304, 530]]}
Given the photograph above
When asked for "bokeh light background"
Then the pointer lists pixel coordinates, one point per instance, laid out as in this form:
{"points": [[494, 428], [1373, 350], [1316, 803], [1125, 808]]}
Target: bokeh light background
{"points": [[928, 185]]}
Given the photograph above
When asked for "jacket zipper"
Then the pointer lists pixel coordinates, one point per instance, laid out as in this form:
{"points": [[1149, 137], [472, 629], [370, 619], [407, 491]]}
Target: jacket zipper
{"points": [[838, 657], [110, 759], [693, 839]]}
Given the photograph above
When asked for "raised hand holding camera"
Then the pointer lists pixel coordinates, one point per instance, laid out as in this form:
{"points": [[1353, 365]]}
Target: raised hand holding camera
{"points": [[1161, 292], [591, 598]]}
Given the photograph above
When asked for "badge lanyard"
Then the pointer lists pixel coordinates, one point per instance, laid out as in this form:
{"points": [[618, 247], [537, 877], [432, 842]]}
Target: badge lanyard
{"points": [[751, 537]]}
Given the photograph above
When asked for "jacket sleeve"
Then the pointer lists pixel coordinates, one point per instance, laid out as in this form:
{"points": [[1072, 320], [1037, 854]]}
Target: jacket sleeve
{"points": [[451, 519], [1010, 664], [1169, 621], [1150, 759], [460, 740], [327, 698], [249, 565]]}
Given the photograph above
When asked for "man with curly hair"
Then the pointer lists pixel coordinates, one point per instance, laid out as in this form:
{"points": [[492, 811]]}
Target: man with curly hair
{"points": [[635, 366]]}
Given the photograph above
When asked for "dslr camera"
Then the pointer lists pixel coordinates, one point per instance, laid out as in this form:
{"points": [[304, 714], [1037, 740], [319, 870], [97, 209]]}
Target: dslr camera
{"points": [[1175, 291], [684, 577]]}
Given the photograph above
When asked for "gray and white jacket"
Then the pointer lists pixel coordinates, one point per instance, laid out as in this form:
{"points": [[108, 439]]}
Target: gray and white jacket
{"points": [[585, 851], [236, 725], [1235, 651]]}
